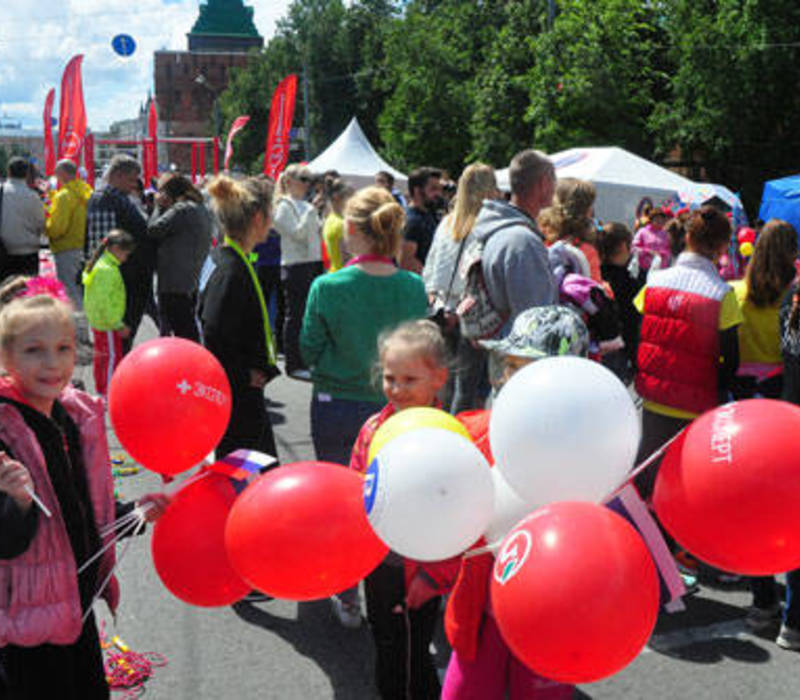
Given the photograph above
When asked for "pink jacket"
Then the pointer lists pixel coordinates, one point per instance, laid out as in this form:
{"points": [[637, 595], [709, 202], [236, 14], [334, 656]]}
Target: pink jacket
{"points": [[39, 598], [648, 242]]}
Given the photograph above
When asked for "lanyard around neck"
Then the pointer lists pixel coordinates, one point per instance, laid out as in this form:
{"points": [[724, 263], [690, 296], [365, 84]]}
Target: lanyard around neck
{"points": [[369, 257], [271, 355]]}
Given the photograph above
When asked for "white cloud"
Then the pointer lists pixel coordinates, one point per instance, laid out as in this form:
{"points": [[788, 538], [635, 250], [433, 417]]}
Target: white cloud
{"points": [[37, 40]]}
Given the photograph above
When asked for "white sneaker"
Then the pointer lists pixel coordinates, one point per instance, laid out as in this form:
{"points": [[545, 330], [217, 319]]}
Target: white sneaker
{"points": [[788, 638], [348, 614]]}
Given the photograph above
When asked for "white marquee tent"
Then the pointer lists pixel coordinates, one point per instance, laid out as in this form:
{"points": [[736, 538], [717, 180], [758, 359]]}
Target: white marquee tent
{"points": [[622, 179], [353, 156]]}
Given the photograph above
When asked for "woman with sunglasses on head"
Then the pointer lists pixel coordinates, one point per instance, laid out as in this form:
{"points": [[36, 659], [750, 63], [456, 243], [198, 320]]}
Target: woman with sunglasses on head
{"points": [[298, 223]]}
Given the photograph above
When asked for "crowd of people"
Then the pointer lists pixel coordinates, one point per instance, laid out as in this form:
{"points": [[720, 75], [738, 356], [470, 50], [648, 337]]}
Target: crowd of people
{"points": [[383, 302]]}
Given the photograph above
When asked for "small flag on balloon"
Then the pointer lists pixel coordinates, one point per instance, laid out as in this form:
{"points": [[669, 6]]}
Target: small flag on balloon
{"points": [[243, 464]]}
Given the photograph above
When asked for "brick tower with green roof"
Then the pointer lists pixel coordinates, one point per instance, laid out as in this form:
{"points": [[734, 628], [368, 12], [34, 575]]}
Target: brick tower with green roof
{"points": [[224, 25]]}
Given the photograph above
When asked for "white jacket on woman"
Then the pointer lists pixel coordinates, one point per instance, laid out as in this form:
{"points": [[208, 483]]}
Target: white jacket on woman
{"points": [[299, 227]]}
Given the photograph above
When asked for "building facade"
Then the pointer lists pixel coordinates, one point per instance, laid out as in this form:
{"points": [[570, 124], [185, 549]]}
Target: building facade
{"points": [[188, 83]]}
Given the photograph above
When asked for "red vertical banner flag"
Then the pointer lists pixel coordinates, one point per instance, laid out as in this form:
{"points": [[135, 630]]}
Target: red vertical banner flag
{"points": [[281, 114], [151, 169], [72, 116], [238, 124], [49, 148]]}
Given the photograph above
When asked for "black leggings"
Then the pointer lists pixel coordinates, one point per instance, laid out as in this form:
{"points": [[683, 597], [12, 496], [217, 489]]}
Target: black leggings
{"points": [[404, 668]]}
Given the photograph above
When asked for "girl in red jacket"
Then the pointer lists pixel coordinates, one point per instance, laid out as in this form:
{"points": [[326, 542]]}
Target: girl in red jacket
{"points": [[403, 596], [52, 443], [481, 666]]}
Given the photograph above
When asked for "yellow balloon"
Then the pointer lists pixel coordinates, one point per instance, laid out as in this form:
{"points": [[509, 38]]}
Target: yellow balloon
{"points": [[411, 419], [746, 249]]}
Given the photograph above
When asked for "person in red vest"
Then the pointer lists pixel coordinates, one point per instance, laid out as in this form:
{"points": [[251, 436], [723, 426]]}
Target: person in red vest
{"points": [[688, 350]]}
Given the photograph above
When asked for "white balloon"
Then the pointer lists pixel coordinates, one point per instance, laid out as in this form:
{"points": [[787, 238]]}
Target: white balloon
{"points": [[564, 429], [509, 509], [428, 494]]}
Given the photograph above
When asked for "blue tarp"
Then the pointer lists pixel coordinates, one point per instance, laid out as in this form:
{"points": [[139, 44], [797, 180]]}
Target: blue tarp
{"points": [[781, 200]]}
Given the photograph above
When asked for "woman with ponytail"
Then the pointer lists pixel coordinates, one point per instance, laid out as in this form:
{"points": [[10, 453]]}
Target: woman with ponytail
{"points": [[345, 313], [233, 312]]}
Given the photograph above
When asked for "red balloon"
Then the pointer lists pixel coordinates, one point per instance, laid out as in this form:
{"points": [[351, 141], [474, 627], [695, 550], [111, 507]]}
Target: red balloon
{"points": [[574, 592], [728, 490], [188, 544], [170, 402], [746, 235], [300, 532]]}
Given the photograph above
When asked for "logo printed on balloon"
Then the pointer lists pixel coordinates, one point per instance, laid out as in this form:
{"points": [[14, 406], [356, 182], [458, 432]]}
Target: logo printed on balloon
{"points": [[371, 486], [512, 556], [202, 391], [722, 432]]}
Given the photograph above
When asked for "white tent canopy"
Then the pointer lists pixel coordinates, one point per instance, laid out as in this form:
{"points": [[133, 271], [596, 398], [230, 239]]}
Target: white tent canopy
{"points": [[353, 156], [622, 179]]}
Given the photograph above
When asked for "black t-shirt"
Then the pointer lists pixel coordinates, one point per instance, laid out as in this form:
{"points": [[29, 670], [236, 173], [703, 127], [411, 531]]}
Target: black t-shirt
{"points": [[420, 227]]}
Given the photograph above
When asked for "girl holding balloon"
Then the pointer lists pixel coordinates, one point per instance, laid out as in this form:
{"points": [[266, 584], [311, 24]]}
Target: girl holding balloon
{"points": [[56, 496], [403, 596], [481, 666]]}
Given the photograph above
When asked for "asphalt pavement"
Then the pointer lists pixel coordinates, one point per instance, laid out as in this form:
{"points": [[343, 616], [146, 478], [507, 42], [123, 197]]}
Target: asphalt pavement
{"points": [[290, 651]]}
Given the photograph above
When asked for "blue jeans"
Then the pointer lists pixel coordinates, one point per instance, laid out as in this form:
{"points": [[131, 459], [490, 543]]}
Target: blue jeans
{"points": [[335, 425], [765, 595]]}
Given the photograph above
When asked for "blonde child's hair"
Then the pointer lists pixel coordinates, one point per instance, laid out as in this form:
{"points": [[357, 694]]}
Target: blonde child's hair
{"points": [[17, 312], [375, 214], [237, 202], [422, 337]]}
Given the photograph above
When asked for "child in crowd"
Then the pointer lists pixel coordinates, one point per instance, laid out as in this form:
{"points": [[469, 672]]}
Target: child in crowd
{"points": [[767, 280], [614, 244], [104, 303], [688, 347], [52, 443], [481, 666], [772, 265], [403, 596], [652, 240], [570, 217]]}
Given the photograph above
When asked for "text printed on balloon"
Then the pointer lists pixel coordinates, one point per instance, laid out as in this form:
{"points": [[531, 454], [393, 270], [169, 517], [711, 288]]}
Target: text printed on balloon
{"points": [[202, 391], [722, 431]]}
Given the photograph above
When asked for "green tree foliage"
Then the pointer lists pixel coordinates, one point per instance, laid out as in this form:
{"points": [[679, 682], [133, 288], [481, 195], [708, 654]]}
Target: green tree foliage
{"points": [[594, 76], [732, 104], [498, 125], [432, 57], [444, 82]]}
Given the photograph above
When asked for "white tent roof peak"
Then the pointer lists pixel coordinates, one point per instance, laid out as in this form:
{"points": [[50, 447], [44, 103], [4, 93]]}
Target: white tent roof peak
{"points": [[353, 156]]}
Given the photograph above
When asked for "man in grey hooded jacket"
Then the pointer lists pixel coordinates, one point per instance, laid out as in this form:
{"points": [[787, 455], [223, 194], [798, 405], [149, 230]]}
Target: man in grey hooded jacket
{"points": [[515, 264]]}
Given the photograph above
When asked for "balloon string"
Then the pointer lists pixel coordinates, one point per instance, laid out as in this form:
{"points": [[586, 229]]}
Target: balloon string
{"points": [[124, 530], [137, 527], [134, 514], [492, 547], [641, 467]]}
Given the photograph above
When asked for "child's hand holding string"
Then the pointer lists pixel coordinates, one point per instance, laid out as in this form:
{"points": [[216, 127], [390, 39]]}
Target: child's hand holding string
{"points": [[15, 480], [153, 505]]}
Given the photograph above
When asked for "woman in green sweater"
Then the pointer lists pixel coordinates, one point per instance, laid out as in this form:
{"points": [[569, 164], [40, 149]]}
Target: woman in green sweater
{"points": [[345, 313]]}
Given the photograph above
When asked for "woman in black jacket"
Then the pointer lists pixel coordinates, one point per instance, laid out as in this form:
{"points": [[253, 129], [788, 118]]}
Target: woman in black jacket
{"points": [[233, 312], [182, 226]]}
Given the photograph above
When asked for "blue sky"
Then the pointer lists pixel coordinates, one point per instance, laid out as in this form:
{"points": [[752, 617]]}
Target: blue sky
{"points": [[37, 40]]}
